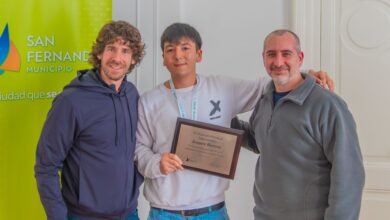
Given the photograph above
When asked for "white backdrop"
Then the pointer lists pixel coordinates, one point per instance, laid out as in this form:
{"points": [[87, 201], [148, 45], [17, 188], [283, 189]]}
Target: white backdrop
{"points": [[232, 32]]}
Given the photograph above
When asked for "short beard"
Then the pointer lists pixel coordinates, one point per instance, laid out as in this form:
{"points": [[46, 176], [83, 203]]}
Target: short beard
{"points": [[110, 76], [280, 81]]}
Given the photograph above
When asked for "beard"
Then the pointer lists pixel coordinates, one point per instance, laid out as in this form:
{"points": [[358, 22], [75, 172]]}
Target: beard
{"points": [[114, 77], [280, 79], [115, 74]]}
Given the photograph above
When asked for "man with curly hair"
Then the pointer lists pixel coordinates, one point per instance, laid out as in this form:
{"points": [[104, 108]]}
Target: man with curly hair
{"points": [[89, 135]]}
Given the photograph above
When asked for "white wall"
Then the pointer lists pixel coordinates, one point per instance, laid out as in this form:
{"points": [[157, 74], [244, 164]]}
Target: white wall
{"points": [[232, 32]]}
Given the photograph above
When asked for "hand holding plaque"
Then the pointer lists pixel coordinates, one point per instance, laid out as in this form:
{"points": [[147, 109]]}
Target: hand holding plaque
{"points": [[206, 147], [170, 163]]}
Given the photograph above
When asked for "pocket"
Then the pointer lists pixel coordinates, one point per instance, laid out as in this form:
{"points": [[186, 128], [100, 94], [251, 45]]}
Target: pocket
{"points": [[220, 214], [86, 191]]}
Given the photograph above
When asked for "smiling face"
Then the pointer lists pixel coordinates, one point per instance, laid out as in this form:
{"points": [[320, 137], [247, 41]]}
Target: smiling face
{"points": [[116, 59], [180, 58], [282, 59]]}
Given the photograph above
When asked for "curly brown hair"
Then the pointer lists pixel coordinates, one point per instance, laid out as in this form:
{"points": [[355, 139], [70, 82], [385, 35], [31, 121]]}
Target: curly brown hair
{"points": [[110, 33]]}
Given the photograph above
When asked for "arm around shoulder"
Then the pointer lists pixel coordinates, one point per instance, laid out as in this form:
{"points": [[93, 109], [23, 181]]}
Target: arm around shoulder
{"points": [[245, 93]]}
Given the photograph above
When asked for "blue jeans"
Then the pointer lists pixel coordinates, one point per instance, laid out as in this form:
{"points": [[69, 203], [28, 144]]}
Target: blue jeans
{"points": [[132, 216], [220, 214]]}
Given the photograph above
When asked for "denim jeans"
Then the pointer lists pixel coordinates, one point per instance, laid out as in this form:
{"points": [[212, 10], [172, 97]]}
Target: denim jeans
{"points": [[220, 214], [132, 216]]}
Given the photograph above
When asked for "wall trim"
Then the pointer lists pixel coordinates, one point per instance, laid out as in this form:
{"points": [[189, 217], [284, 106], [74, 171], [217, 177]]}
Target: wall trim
{"points": [[315, 21], [307, 24]]}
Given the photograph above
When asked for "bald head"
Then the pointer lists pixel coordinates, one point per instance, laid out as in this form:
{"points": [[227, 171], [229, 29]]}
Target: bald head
{"points": [[282, 32]]}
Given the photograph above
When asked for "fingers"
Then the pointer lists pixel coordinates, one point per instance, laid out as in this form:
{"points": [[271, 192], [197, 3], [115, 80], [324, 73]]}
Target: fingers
{"points": [[319, 81], [330, 84], [326, 81], [170, 163], [323, 79]]}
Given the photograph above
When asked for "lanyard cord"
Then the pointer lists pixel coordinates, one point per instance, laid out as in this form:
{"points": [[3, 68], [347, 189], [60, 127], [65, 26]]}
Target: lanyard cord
{"points": [[194, 100]]}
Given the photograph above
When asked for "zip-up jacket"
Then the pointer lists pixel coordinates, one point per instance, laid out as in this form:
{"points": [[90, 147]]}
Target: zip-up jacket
{"points": [[89, 136]]}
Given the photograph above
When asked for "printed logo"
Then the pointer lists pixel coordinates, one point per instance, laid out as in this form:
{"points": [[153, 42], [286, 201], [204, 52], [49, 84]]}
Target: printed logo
{"points": [[215, 109], [9, 55]]}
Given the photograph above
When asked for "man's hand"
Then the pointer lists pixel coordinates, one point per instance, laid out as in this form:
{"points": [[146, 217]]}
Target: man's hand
{"points": [[323, 79], [170, 163]]}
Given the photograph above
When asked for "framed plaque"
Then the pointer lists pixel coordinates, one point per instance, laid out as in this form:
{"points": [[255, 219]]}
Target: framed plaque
{"points": [[206, 147]]}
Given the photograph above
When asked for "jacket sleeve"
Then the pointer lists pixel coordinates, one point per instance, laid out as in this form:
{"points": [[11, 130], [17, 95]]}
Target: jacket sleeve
{"points": [[341, 147], [249, 141], [55, 141], [148, 162]]}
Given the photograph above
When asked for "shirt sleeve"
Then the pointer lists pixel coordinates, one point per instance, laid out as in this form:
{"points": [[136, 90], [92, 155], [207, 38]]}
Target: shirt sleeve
{"points": [[147, 161], [246, 93], [55, 141], [341, 147]]}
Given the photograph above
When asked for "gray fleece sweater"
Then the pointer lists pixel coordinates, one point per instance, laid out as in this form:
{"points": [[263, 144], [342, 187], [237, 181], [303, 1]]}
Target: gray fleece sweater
{"points": [[310, 164]]}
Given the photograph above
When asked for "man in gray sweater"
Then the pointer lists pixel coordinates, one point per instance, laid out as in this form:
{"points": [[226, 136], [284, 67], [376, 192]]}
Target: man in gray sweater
{"points": [[310, 164]]}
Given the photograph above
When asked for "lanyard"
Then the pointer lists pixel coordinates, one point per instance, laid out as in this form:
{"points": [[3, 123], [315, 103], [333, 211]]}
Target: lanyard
{"points": [[194, 100]]}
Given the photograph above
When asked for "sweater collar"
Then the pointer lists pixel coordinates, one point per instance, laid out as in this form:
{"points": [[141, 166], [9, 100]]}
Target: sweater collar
{"points": [[297, 95]]}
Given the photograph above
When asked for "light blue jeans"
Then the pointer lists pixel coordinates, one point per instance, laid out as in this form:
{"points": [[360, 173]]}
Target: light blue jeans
{"points": [[132, 216], [220, 214]]}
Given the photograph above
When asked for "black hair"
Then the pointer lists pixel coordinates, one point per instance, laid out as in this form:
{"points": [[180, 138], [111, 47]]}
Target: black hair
{"points": [[176, 31]]}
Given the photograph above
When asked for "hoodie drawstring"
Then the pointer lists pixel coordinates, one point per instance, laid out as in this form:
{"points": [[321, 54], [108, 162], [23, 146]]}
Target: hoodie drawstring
{"points": [[116, 121], [130, 117]]}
